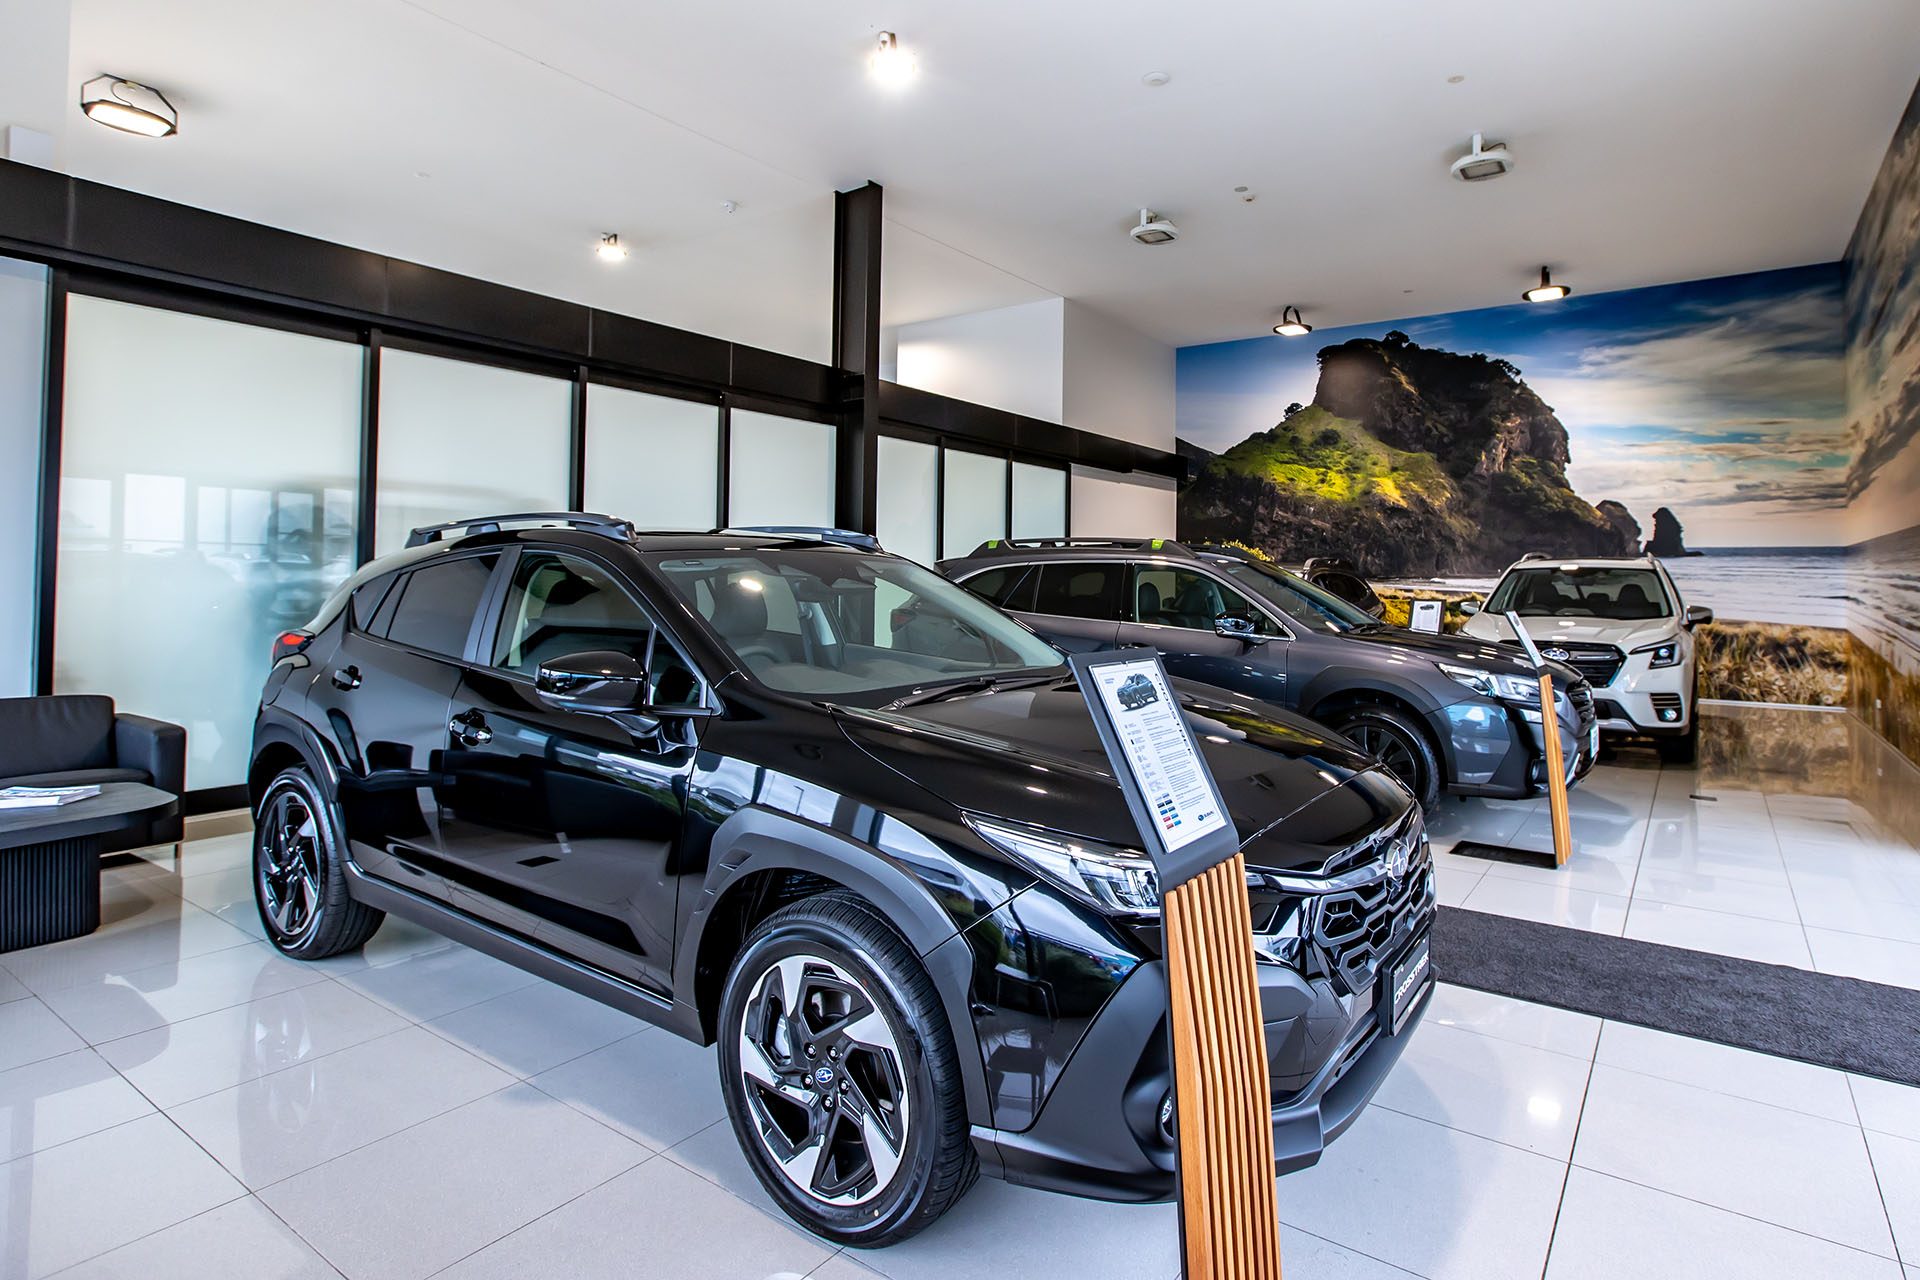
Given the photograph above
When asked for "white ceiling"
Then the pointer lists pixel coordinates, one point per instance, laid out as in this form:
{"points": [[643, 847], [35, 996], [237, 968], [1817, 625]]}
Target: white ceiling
{"points": [[1656, 141]]}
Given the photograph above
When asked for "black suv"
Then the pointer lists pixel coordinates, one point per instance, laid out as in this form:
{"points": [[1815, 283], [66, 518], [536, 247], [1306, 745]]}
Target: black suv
{"points": [[820, 805], [1441, 712]]}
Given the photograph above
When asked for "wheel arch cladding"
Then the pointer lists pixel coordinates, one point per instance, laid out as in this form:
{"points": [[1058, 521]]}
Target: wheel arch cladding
{"points": [[762, 860]]}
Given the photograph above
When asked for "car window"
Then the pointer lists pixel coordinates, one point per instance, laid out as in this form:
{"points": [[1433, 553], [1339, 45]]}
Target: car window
{"points": [[365, 603], [433, 608], [1344, 585], [1312, 607], [1010, 586], [560, 605], [1080, 591], [1621, 593], [1168, 597]]}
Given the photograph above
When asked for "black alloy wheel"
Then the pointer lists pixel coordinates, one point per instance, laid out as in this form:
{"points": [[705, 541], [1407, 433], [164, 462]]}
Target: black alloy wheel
{"points": [[298, 882], [1399, 745], [840, 1075]]}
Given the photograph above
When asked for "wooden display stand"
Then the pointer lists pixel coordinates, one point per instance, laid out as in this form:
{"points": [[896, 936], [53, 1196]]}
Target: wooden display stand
{"points": [[1550, 738], [1229, 1217]]}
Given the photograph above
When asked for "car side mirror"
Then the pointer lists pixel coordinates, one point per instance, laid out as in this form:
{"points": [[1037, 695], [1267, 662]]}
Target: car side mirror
{"points": [[600, 681], [1378, 609], [1469, 607], [1237, 626], [1698, 615]]}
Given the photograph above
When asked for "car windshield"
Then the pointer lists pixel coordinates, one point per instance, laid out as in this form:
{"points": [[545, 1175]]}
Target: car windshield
{"points": [[820, 620], [1300, 600], [1617, 592]]}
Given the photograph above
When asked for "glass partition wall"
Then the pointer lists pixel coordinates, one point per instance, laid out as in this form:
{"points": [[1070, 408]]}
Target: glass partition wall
{"points": [[212, 462]]}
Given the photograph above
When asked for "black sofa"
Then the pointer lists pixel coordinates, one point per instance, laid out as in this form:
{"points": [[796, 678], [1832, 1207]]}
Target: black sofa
{"points": [[73, 739]]}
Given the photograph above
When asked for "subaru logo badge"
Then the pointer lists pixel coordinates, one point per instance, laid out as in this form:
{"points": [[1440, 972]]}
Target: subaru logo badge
{"points": [[823, 1076], [1399, 855], [1557, 655]]}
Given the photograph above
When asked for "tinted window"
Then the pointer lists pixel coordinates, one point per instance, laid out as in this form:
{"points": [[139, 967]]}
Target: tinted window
{"points": [[992, 584], [558, 605], [1080, 590], [1624, 594], [437, 604], [1170, 597], [366, 602], [1346, 586]]}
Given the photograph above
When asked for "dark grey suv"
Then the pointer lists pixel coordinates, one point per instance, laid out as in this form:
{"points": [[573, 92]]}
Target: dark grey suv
{"points": [[1441, 712]]}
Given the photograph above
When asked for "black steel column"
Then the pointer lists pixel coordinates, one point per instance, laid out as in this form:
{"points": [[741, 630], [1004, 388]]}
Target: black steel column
{"points": [[856, 352]]}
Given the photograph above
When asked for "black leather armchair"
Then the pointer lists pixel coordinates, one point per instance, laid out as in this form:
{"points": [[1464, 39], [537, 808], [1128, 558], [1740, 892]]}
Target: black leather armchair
{"points": [[74, 739]]}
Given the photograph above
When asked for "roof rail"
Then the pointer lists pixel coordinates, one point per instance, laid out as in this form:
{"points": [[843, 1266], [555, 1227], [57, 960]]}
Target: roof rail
{"points": [[584, 521], [1224, 551], [1006, 546], [818, 533], [1533, 555]]}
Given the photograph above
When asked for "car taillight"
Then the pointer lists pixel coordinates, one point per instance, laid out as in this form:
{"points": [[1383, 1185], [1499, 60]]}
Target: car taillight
{"points": [[288, 643]]}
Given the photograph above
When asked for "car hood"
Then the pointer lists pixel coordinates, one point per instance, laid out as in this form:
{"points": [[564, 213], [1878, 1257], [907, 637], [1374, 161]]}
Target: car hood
{"points": [[1463, 649], [1547, 630], [1033, 755]]}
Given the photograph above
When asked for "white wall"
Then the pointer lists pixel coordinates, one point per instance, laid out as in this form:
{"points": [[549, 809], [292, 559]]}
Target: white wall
{"points": [[1117, 381], [1118, 505], [23, 324], [34, 93], [1008, 358]]}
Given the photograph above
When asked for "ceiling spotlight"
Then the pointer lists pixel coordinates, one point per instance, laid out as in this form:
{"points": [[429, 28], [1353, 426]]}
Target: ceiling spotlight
{"points": [[1291, 325], [1546, 290], [1486, 160], [1154, 229], [1155, 79], [128, 106], [610, 249], [891, 65]]}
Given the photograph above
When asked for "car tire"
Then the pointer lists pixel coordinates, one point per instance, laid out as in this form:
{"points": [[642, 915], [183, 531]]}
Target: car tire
{"points": [[1681, 748], [849, 1105], [299, 883], [1397, 742]]}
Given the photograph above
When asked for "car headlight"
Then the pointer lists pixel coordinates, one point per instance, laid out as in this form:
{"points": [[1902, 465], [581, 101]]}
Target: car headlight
{"points": [[1117, 880], [1491, 684], [1664, 654]]}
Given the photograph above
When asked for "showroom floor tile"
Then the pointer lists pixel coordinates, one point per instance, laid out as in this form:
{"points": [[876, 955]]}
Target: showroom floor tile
{"points": [[420, 1109]]}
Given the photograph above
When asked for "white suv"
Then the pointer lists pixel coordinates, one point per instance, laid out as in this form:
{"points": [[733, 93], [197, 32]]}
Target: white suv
{"points": [[1622, 625]]}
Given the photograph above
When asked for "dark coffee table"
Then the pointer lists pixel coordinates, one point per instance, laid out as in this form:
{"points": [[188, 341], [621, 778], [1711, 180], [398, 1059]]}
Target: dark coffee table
{"points": [[50, 861]]}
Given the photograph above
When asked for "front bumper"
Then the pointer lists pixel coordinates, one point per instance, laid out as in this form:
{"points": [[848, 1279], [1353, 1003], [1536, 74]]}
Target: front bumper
{"points": [[1498, 753], [1100, 1133]]}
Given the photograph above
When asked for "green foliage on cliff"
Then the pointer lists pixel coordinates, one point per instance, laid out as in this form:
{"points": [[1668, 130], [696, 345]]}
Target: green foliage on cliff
{"points": [[1336, 458]]}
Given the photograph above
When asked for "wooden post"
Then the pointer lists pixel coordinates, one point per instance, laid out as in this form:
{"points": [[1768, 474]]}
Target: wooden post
{"points": [[1230, 1220], [1556, 773]]}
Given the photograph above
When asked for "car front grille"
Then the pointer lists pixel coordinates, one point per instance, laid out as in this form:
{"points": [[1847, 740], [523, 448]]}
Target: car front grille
{"points": [[1599, 663], [1358, 929]]}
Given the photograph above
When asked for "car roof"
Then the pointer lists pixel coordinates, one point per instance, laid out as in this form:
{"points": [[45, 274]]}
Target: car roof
{"points": [[1587, 562]]}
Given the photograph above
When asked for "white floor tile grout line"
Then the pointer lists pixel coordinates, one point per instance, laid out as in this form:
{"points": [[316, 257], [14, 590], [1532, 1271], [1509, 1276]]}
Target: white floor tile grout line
{"points": [[1573, 1147], [1878, 1185], [651, 1156]]}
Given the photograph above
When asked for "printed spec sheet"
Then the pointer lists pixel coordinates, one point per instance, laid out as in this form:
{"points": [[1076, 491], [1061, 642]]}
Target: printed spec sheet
{"points": [[1159, 751]]}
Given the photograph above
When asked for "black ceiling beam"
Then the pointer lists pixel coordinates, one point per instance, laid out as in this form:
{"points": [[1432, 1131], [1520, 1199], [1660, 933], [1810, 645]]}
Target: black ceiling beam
{"points": [[911, 407], [857, 232]]}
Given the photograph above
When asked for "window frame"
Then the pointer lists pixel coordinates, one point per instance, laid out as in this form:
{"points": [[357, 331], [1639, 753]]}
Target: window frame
{"points": [[1130, 599], [397, 590]]}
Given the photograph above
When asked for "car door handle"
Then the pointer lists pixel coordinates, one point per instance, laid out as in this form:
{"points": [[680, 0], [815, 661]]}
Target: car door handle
{"points": [[346, 678], [470, 730]]}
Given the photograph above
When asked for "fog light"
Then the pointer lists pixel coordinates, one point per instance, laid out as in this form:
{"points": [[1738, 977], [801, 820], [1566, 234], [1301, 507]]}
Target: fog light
{"points": [[1668, 713]]}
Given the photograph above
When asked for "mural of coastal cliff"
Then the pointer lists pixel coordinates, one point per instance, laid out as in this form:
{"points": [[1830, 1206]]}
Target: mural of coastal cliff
{"points": [[1704, 422], [1883, 404]]}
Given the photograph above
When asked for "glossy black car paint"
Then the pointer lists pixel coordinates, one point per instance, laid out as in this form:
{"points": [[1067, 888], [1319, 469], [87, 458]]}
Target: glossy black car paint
{"points": [[627, 858], [1485, 745]]}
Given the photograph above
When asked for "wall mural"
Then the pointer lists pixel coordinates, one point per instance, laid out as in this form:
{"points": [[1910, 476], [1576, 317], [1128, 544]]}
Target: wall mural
{"points": [[1883, 410], [1704, 421]]}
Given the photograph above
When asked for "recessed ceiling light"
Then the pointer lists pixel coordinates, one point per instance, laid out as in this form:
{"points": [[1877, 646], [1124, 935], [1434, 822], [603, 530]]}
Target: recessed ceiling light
{"points": [[1291, 325], [1455, 79], [891, 64], [610, 249], [1155, 79], [128, 106], [1483, 161], [1546, 290]]}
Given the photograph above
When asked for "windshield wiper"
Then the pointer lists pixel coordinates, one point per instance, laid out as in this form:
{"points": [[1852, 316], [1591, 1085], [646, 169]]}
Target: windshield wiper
{"points": [[974, 684]]}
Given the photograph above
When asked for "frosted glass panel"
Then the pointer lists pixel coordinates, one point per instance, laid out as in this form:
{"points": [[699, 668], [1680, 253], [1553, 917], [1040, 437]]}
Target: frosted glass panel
{"points": [[908, 495], [653, 459], [1039, 501], [23, 355], [780, 470], [208, 473], [976, 501], [460, 439]]}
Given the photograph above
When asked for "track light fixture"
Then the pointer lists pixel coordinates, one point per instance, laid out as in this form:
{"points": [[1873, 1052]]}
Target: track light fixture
{"points": [[610, 249], [890, 64], [1546, 290], [129, 106], [1291, 325]]}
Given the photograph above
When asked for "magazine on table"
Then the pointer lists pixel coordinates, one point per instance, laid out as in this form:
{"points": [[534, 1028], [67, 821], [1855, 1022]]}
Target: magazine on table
{"points": [[43, 797]]}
